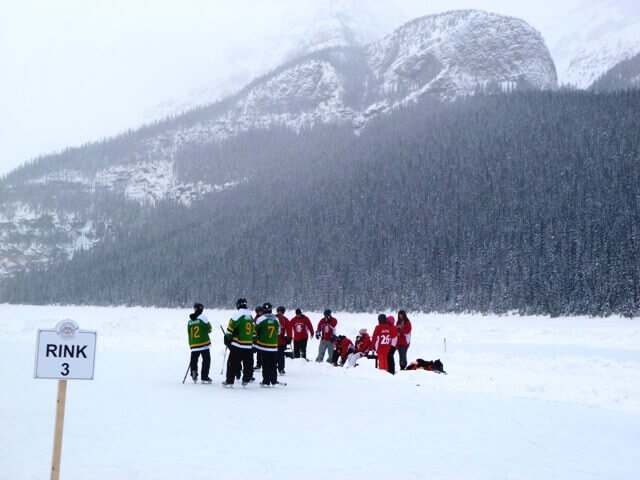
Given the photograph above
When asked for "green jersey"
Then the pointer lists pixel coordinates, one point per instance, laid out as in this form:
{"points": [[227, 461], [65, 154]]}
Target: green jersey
{"points": [[267, 329], [241, 329], [198, 330]]}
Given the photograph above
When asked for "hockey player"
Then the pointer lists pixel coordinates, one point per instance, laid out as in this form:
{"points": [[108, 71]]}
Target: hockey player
{"points": [[325, 332], [343, 348], [404, 337], [384, 342], [284, 338], [391, 360], [267, 330], [239, 339], [198, 329], [362, 347], [301, 329]]}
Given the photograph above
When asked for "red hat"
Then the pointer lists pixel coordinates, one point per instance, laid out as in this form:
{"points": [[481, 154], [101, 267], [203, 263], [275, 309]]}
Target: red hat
{"points": [[391, 320]]}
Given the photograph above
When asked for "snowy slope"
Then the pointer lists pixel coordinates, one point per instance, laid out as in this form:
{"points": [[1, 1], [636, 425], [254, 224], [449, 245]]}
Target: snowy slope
{"points": [[594, 37], [525, 397]]}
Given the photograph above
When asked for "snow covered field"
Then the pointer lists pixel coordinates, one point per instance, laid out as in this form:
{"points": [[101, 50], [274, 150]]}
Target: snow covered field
{"points": [[525, 398]]}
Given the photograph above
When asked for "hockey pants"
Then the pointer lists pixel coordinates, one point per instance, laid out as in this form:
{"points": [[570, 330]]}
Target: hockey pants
{"points": [[240, 358], [206, 363]]}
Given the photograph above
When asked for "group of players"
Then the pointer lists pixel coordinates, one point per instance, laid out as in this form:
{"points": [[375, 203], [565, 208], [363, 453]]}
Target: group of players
{"points": [[269, 335]]}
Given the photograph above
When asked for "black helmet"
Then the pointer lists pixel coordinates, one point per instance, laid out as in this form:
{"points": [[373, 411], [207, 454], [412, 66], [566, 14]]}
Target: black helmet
{"points": [[241, 303], [327, 313], [198, 307], [298, 311], [281, 309], [382, 318], [267, 307]]}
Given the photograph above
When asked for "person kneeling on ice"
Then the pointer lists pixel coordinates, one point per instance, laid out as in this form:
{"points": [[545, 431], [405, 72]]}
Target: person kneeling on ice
{"points": [[199, 329], [267, 330], [343, 348], [384, 341], [362, 347]]}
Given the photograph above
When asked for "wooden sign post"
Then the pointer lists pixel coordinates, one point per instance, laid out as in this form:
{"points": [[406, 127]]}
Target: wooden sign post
{"points": [[57, 435], [64, 353]]}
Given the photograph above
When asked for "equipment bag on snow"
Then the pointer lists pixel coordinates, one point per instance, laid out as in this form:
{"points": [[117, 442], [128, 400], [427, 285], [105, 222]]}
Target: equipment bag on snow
{"points": [[430, 365]]}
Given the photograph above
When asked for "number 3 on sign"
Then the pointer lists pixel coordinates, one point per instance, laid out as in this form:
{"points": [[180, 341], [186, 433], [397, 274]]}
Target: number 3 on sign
{"points": [[65, 369]]}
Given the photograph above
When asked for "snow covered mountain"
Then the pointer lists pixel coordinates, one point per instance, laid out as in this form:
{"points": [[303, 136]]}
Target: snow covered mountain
{"points": [[445, 56], [309, 27], [593, 38]]}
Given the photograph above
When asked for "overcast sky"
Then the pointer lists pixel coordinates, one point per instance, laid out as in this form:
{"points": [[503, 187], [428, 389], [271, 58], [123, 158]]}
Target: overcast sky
{"points": [[76, 71]]}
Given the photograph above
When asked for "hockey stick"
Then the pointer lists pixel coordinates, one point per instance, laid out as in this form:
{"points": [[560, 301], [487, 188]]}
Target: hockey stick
{"points": [[223, 360], [224, 356], [187, 372]]}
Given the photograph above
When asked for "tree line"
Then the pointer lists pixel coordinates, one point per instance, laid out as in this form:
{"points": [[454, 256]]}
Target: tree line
{"points": [[522, 202]]}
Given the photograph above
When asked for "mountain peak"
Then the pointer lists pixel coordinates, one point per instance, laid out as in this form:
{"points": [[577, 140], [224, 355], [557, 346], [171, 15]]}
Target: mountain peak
{"points": [[454, 52]]}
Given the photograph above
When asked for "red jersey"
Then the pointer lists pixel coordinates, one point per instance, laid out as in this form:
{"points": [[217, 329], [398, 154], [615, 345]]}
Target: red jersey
{"points": [[345, 347], [384, 336], [404, 333], [363, 343], [299, 326], [327, 328], [285, 329]]}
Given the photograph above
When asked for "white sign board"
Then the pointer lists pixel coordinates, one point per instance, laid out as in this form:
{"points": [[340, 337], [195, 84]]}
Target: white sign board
{"points": [[65, 353]]}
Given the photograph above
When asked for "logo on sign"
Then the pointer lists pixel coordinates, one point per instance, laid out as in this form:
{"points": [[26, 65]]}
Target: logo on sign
{"points": [[67, 329]]}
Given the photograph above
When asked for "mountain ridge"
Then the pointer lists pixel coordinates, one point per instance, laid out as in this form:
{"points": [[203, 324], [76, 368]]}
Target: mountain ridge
{"points": [[342, 86]]}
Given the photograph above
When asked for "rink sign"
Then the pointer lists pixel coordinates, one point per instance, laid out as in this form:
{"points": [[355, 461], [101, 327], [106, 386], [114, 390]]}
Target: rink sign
{"points": [[65, 352]]}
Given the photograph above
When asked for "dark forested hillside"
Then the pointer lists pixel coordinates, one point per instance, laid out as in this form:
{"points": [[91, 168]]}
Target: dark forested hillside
{"points": [[526, 202], [622, 76]]}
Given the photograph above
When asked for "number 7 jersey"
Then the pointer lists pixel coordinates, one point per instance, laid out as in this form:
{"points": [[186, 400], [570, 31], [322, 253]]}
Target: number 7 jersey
{"points": [[267, 329]]}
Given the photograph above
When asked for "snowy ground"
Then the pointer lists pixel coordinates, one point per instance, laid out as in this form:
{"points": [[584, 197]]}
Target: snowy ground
{"points": [[525, 398]]}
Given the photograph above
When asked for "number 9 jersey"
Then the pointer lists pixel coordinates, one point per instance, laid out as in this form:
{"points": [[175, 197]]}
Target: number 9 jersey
{"points": [[241, 329]]}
